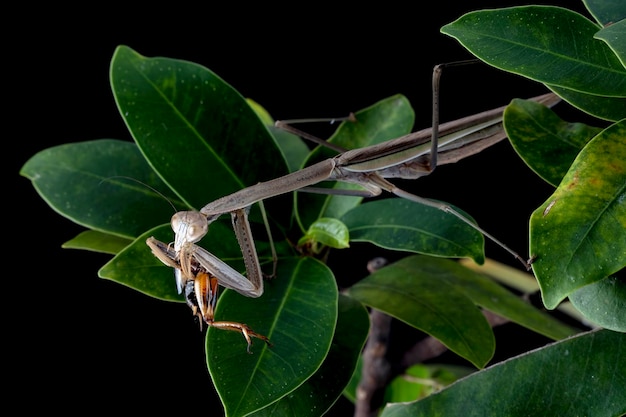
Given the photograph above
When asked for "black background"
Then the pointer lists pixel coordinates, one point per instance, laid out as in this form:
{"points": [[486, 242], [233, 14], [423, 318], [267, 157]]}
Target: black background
{"points": [[77, 340]]}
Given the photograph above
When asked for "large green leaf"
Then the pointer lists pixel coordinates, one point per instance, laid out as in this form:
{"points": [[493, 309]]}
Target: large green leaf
{"points": [[318, 393], [400, 224], [196, 131], [411, 291], [486, 293], [386, 119], [578, 235], [548, 44], [298, 312], [105, 185], [581, 376], [547, 144]]}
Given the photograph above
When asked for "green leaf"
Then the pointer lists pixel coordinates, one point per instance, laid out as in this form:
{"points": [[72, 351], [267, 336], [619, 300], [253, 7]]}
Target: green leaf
{"points": [[603, 303], [350, 391], [196, 131], [325, 231], [386, 119], [419, 381], [581, 376], [400, 224], [97, 242], [547, 144], [486, 293], [615, 37], [607, 108], [318, 393], [411, 291], [548, 44], [578, 235], [293, 147], [103, 185], [606, 12], [137, 268], [298, 312]]}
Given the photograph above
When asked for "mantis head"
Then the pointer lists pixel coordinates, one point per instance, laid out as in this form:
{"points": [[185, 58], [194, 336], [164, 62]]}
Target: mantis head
{"points": [[189, 227]]}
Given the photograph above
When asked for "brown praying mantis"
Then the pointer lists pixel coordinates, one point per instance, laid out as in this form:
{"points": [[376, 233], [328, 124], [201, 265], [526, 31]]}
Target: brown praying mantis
{"points": [[408, 157]]}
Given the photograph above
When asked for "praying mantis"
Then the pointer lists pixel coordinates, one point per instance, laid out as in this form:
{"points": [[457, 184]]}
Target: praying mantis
{"points": [[408, 157]]}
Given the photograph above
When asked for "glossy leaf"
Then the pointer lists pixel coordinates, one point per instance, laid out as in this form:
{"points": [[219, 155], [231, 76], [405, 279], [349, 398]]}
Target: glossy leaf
{"points": [[486, 293], [318, 393], [548, 44], [97, 242], [293, 147], [578, 235], [602, 107], [547, 144], [603, 303], [581, 376], [328, 232], [197, 132], [298, 312], [410, 290], [136, 267], [102, 184], [606, 12], [400, 224], [386, 119], [614, 37]]}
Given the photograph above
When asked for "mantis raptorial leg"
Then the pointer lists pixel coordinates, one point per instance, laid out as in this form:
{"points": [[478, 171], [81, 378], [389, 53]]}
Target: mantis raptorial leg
{"points": [[201, 286], [409, 157]]}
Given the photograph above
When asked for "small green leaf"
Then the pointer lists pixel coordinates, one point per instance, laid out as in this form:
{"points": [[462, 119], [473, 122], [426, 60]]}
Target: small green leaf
{"points": [[400, 224], [419, 381], [298, 312], [97, 242], [328, 232], [411, 291], [581, 376], [548, 44], [603, 303], [103, 185], [318, 393], [547, 144], [578, 235]]}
